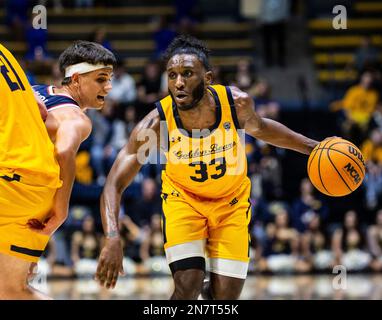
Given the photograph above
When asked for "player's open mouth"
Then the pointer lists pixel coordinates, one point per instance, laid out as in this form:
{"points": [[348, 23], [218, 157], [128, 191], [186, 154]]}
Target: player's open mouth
{"points": [[181, 97], [101, 98]]}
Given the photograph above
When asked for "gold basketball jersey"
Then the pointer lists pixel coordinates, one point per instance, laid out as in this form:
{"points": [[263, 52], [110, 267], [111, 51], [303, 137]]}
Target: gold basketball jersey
{"points": [[208, 163], [25, 147]]}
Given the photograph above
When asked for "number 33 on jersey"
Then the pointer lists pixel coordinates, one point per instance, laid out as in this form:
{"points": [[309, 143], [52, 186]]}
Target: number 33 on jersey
{"points": [[209, 163]]}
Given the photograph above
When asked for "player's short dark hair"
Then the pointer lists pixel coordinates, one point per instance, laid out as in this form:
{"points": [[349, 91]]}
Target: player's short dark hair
{"points": [[85, 51], [185, 44]]}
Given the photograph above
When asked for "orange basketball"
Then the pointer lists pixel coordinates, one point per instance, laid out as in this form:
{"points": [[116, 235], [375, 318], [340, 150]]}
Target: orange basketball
{"points": [[336, 167]]}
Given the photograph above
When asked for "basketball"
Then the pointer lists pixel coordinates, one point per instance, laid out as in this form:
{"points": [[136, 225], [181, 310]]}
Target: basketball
{"points": [[336, 167]]}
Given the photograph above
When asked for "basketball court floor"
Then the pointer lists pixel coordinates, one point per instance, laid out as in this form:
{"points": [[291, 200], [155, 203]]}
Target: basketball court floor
{"points": [[301, 287]]}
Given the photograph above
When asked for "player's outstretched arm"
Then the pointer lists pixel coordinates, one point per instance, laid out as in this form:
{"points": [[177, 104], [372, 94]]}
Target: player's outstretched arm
{"points": [[127, 164], [73, 128], [268, 130]]}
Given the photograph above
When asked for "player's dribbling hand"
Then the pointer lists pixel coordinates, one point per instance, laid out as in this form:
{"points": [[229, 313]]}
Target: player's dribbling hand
{"points": [[110, 263]]}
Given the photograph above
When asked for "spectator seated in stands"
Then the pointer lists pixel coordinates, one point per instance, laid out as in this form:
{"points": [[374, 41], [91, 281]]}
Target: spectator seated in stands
{"points": [[348, 245], [244, 76], [274, 16], [265, 106], [149, 88], [358, 105], [373, 185], [306, 206], [123, 86], [99, 35], [377, 115], [85, 189], [85, 249], [37, 44], [28, 72], [280, 253], [132, 237], [366, 56], [372, 147], [163, 36], [108, 137], [152, 250], [372, 152], [374, 240], [316, 246], [144, 207]]}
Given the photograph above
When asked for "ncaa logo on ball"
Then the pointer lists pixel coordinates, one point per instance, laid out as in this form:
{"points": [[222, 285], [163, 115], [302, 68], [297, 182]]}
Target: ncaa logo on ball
{"points": [[352, 172]]}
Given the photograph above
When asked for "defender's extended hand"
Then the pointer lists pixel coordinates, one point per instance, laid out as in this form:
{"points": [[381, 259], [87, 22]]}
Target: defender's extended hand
{"points": [[110, 263]]}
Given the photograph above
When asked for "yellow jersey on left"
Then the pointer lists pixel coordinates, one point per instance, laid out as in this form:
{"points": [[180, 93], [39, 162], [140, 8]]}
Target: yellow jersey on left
{"points": [[25, 147]]}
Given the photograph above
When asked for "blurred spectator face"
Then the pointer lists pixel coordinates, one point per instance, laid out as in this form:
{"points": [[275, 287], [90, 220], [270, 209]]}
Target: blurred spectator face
{"points": [[108, 108], [243, 75], [130, 114], [185, 25], [100, 34], [152, 71], [148, 189], [281, 218], [306, 186], [262, 89], [273, 109], [243, 65], [39, 54], [351, 219], [262, 110], [88, 224], [366, 80], [376, 137]]}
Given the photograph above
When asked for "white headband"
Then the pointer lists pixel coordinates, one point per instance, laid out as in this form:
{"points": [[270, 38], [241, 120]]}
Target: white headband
{"points": [[83, 67]]}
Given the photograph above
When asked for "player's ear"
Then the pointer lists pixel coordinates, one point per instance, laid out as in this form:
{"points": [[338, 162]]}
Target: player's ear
{"points": [[208, 78], [75, 79]]}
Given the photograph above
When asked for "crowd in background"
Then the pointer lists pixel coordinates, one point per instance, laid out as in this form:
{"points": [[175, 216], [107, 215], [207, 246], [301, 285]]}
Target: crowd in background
{"points": [[290, 233]]}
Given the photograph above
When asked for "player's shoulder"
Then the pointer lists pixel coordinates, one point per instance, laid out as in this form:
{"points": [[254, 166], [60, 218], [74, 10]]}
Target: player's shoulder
{"points": [[77, 119], [53, 100]]}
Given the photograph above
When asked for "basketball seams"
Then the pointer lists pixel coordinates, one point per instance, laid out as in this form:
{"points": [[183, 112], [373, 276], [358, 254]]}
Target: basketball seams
{"points": [[339, 151], [319, 167], [342, 178]]}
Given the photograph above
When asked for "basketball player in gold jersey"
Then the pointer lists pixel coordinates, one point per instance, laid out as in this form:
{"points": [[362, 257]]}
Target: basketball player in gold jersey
{"points": [[205, 188], [31, 209], [29, 178]]}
